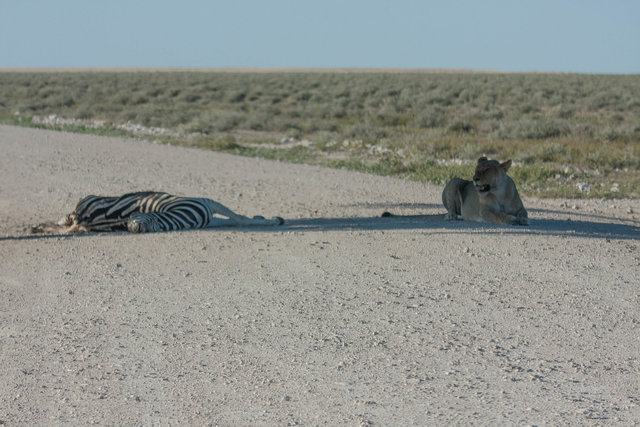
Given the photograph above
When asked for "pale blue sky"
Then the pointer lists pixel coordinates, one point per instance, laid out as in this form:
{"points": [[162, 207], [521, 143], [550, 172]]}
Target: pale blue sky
{"points": [[585, 36]]}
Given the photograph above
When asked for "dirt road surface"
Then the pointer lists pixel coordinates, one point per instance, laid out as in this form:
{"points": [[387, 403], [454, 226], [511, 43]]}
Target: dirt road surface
{"points": [[338, 317]]}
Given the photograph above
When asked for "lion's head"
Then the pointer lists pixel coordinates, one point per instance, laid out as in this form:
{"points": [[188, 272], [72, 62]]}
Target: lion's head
{"points": [[489, 175]]}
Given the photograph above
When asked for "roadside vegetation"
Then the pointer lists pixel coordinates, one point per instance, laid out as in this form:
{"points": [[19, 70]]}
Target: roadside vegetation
{"points": [[569, 135]]}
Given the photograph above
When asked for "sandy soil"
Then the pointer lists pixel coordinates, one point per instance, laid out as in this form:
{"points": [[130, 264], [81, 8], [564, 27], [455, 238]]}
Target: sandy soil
{"points": [[338, 317]]}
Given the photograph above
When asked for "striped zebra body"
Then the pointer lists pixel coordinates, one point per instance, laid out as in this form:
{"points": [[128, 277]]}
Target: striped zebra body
{"points": [[150, 211]]}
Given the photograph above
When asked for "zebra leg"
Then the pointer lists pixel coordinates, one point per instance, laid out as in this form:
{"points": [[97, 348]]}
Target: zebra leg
{"points": [[67, 225], [221, 222], [178, 219], [237, 219]]}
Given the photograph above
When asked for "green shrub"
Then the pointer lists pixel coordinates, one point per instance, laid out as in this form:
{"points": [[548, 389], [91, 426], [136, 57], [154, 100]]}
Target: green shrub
{"points": [[539, 128], [430, 117]]}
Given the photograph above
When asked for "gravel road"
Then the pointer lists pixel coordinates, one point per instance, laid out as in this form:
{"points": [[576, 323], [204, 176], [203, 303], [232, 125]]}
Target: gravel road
{"points": [[338, 317]]}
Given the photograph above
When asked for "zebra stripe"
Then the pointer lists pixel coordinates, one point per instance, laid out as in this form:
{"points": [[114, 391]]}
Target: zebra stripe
{"points": [[143, 211]]}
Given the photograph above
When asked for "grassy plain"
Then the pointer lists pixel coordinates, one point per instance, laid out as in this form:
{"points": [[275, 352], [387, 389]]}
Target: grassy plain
{"points": [[570, 135]]}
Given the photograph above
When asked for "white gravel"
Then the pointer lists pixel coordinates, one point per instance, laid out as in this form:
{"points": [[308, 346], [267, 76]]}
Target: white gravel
{"points": [[339, 317]]}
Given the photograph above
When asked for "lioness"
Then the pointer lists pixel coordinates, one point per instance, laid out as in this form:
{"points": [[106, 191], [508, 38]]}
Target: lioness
{"points": [[491, 196]]}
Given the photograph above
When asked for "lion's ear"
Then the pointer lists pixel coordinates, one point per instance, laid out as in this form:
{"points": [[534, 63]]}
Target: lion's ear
{"points": [[482, 159], [506, 165]]}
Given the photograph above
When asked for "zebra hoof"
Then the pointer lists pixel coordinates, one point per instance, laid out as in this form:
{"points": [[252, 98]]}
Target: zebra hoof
{"points": [[135, 226]]}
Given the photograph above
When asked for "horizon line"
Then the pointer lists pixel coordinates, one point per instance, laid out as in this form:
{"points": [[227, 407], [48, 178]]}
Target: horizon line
{"points": [[291, 70]]}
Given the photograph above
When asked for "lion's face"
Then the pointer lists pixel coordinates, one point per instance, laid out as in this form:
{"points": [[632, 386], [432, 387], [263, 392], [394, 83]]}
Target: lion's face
{"points": [[489, 175]]}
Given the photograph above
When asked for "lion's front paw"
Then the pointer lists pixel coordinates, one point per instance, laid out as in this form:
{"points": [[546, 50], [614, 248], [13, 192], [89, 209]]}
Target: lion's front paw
{"points": [[520, 220], [451, 217]]}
